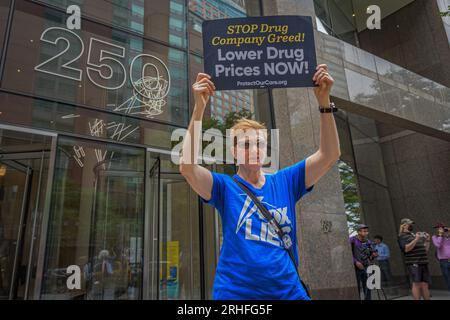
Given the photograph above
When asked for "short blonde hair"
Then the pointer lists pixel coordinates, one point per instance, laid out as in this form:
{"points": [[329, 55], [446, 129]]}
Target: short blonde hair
{"points": [[244, 124]]}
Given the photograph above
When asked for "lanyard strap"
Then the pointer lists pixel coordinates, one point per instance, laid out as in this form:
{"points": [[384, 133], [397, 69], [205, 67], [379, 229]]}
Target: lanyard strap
{"points": [[284, 237]]}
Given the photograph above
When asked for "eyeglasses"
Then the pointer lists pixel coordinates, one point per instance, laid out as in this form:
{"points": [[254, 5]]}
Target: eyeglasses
{"points": [[246, 145]]}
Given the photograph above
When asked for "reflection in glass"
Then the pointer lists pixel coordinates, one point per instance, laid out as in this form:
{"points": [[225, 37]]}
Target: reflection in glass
{"points": [[96, 221], [97, 66], [24, 161], [179, 259], [337, 17], [4, 10], [62, 117], [158, 19], [225, 104]]}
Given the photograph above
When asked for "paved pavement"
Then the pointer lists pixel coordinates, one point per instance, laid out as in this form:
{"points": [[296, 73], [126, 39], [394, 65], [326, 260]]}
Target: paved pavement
{"points": [[435, 295]]}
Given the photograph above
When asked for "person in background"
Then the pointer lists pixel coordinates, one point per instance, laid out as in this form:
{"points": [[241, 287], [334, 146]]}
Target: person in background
{"points": [[383, 259], [363, 255], [442, 243], [414, 247]]}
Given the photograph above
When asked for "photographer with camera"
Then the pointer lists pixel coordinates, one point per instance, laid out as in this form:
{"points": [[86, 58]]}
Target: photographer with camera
{"points": [[442, 243], [363, 255], [415, 250]]}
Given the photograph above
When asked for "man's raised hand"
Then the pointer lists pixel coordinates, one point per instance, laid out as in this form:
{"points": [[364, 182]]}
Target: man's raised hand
{"points": [[202, 89], [324, 81]]}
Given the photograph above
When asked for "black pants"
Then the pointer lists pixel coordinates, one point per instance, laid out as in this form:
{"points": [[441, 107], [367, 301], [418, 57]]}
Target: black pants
{"points": [[361, 278], [445, 267], [385, 269]]}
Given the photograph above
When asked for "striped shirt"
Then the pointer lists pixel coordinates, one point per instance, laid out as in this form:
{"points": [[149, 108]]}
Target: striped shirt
{"points": [[418, 255]]}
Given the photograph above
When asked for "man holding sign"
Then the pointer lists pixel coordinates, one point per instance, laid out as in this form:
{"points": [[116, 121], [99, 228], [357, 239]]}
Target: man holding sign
{"points": [[253, 263], [258, 259]]}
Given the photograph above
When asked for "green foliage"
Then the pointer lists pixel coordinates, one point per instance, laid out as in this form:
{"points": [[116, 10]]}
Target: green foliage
{"points": [[209, 123], [228, 122], [350, 193], [446, 13], [232, 117]]}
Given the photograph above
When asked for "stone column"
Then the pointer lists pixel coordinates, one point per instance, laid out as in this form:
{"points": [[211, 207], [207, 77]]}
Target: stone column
{"points": [[325, 255]]}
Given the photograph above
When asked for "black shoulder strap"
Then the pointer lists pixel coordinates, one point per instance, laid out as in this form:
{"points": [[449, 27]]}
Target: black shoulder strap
{"points": [[262, 209], [284, 237]]}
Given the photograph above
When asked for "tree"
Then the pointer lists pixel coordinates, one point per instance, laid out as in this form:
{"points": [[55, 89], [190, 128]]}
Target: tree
{"points": [[232, 117], [351, 197], [228, 122], [445, 13]]}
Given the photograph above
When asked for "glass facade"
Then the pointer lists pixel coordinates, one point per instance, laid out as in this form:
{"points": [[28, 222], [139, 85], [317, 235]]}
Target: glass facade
{"points": [[96, 221], [24, 165], [97, 107], [347, 19], [98, 67], [337, 18]]}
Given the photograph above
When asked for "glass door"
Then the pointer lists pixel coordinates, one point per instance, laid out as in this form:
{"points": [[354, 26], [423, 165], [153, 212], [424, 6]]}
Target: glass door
{"points": [[116, 234], [186, 236], [96, 222], [151, 227], [24, 162], [179, 239], [15, 182]]}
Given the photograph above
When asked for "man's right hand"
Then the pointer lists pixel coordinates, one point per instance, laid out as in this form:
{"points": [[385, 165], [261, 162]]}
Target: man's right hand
{"points": [[198, 177], [359, 265], [418, 236], [202, 89]]}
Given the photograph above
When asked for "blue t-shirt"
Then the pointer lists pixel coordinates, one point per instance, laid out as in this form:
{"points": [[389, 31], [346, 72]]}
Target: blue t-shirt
{"points": [[253, 264]]}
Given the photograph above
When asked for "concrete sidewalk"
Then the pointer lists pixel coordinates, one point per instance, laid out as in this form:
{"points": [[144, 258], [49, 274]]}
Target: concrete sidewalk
{"points": [[435, 295]]}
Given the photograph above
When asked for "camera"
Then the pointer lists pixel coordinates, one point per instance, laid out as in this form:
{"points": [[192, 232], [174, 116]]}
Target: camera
{"points": [[422, 234], [367, 252]]}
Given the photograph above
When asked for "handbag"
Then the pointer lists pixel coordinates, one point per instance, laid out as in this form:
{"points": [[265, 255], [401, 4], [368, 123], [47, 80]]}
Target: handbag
{"points": [[284, 236]]}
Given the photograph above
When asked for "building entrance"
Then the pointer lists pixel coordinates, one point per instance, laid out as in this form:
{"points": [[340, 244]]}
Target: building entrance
{"points": [[24, 163]]}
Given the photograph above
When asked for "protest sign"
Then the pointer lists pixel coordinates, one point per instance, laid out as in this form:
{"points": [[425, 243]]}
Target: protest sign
{"points": [[259, 52]]}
